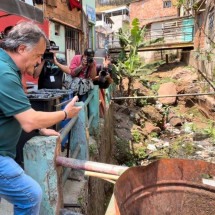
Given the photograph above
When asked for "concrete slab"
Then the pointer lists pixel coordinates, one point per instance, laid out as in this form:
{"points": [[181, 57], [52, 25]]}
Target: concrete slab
{"points": [[5, 207]]}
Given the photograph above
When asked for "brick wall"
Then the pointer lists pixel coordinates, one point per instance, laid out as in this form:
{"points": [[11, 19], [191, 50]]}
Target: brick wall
{"points": [[199, 39], [150, 10], [62, 12], [199, 36]]}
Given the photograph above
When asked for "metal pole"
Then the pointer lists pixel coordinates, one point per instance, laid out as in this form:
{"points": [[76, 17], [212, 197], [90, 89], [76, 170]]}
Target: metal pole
{"points": [[67, 128], [206, 79], [162, 96], [90, 165]]}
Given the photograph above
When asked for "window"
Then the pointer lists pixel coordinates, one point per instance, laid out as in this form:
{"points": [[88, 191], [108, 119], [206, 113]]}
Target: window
{"points": [[72, 39], [167, 4], [117, 13], [57, 29], [98, 17]]}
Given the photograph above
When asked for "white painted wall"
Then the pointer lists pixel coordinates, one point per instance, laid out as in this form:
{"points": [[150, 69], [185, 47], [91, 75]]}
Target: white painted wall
{"points": [[156, 29], [117, 22]]}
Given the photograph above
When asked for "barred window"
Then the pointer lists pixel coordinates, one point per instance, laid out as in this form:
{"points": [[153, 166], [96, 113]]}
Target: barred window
{"points": [[167, 4], [72, 39]]}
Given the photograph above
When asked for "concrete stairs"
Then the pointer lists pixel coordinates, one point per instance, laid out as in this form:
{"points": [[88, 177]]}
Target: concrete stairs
{"points": [[75, 193]]}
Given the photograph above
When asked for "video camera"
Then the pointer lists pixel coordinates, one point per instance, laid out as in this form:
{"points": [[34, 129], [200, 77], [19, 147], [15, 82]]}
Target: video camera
{"points": [[50, 55], [90, 55], [104, 72]]}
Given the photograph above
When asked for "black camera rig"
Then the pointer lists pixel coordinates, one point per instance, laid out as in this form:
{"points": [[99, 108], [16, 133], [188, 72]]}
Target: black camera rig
{"points": [[50, 55]]}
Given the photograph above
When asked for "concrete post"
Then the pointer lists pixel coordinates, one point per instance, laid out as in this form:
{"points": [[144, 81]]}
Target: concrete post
{"points": [[79, 135], [39, 163], [94, 109]]}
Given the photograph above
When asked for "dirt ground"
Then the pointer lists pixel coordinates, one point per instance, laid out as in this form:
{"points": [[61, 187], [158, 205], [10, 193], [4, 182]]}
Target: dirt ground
{"points": [[131, 138]]}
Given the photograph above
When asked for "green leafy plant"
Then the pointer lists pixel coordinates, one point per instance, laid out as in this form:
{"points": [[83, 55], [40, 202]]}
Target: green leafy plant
{"points": [[93, 149], [136, 136], [187, 4], [210, 130], [141, 153], [132, 66], [153, 134]]}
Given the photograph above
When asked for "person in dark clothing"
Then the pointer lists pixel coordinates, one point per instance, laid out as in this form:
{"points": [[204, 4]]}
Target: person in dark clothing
{"points": [[50, 75], [104, 73]]}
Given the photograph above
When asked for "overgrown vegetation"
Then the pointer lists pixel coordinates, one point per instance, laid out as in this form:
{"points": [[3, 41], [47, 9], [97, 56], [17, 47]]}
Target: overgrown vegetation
{"points": [[131, 66], [210, 130]]}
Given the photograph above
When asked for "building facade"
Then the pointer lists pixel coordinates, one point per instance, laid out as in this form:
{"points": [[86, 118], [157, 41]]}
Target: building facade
{"points": [[89, 19], [108, 24], [148, 11]]}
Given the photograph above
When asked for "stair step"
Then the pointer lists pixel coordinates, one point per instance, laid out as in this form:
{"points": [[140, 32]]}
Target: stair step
{"points": [[68, 212]]}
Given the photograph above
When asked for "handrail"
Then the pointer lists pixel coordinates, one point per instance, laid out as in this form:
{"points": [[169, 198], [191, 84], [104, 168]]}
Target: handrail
{"points": [[68, 127], [90, 120], [169, 31], [63, 103], [88, 99]]}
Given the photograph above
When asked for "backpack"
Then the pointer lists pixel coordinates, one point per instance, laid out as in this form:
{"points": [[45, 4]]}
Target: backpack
{"points": [[81, 86]]}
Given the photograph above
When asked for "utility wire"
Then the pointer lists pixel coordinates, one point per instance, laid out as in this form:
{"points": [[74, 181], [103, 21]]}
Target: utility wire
{"points": [[162, 96]]}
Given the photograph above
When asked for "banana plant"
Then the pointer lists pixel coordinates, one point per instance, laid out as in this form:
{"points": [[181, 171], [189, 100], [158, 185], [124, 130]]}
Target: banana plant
{"points": [[132, 66]]}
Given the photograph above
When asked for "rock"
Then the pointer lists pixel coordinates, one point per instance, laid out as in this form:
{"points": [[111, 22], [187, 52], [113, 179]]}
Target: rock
{"points": [[200, 136], [149, 128], [174, 120], [141, 90], [167, 89], [151, 147], [123, 134], [204, 144], [153, 114], [158, 106], [188, 128]]}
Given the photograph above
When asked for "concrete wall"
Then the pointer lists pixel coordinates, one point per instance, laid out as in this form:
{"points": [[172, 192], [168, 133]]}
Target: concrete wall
{"points": [[151, 56], [59, 39], [207, 67]]}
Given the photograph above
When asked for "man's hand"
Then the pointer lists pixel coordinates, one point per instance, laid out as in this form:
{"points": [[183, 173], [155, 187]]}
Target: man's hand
{"points": [[55, 59], [48, 132], [71, 109]]}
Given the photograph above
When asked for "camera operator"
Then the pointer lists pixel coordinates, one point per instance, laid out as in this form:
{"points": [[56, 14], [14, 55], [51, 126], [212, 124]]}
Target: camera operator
{"points": [[83, 70], [50, 75], [104, 73]]}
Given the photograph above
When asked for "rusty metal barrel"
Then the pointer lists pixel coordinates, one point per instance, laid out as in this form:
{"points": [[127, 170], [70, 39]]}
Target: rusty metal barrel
{"points": [[167, 187]]}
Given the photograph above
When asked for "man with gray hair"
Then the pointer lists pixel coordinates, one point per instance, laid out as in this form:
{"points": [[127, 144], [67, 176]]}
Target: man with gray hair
{"points": [[21, 51]]}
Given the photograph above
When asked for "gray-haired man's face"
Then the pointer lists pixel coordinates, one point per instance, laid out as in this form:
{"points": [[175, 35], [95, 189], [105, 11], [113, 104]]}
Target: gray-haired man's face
{"points": [[31, 58]]}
